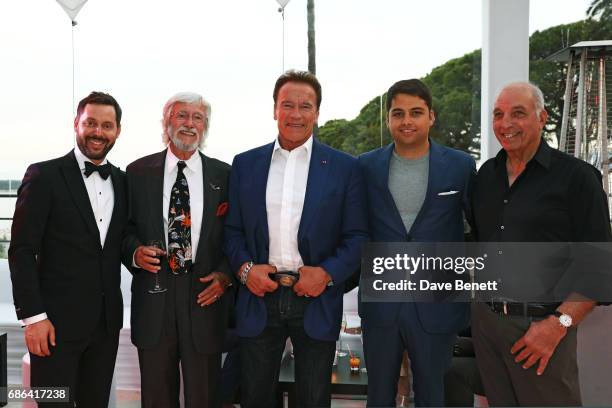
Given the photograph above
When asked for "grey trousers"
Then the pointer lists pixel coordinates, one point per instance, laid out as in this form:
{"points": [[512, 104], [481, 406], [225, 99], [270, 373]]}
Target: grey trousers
{"points": [[506, 383]]}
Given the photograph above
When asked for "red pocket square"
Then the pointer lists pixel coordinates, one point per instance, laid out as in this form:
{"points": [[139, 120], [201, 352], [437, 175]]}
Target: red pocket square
{"points": [[222, 209]]}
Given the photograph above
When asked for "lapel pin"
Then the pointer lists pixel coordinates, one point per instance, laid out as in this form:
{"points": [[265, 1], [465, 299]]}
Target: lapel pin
{"points": [[323, 161], [214, 186]]}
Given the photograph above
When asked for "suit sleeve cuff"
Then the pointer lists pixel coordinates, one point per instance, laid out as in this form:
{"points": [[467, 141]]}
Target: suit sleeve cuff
{"points": [[33, 319], [134, 260]]}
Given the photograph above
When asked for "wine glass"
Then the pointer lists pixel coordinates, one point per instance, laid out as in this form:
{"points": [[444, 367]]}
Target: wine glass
{"points": [[157, 288], [340, 351]]}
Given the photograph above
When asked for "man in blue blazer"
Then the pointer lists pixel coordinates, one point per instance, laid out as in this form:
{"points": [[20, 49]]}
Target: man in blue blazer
{"points": [[417, 191], [296, 223]]}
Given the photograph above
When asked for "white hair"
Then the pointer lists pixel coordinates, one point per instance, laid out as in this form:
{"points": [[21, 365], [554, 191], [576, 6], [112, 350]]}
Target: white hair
{"points": [[536, 93], [190, 98]]}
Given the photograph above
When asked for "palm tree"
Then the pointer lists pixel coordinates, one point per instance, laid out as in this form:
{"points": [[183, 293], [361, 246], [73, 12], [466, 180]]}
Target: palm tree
{"points": [[312, 64], [601, 8], [312, 56]]}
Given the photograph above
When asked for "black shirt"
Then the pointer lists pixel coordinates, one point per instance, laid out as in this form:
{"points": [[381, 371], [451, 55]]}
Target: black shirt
{"points": [[556, 198]]}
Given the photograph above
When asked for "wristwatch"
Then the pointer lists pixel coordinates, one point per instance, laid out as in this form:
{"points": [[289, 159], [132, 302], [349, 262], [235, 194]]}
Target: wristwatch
{"points": [[564, 319]]}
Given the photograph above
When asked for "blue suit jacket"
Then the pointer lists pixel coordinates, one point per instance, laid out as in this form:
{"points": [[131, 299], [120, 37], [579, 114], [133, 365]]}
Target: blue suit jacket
{"points": [[440, 219], [331, 233]]}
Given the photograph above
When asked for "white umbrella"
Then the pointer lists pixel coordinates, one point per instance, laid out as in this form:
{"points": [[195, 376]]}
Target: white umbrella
{"points": [[72, 7], [281, 10]]}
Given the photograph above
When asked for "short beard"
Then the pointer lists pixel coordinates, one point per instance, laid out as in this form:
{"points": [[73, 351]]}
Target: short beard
{"points": [[179, 144], [83, 148]]}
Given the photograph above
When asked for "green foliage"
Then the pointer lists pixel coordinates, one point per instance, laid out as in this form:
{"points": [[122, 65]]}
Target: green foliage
{"points": [[601, 9], [456, 90], [455, 86], [551, 76]]}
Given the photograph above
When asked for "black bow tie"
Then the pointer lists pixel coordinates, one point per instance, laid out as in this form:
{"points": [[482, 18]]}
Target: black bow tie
{"points": [[104, 170]]}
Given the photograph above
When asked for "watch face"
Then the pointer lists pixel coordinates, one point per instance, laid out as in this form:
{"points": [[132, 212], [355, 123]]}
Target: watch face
{"points": [[565, 320]]}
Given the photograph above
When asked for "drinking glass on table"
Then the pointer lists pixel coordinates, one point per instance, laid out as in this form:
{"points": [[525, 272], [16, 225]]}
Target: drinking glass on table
{"points": [[157, 287], [354, 363]]}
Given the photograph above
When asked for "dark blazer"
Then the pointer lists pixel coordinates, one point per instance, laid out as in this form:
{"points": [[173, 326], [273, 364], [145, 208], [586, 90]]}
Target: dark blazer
{"points": [[440, 219], [145, 179], [57, 263], [332, 230]]}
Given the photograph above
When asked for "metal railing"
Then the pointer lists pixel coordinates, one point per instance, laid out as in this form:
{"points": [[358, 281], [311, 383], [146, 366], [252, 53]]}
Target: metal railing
{"points": [[6, 195]]}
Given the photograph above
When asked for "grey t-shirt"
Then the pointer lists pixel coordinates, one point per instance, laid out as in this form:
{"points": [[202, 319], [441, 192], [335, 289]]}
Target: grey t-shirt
{"points": [[408, 185]]}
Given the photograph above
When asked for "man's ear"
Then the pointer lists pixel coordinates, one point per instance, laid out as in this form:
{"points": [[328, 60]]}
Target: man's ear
{"points": [[543, 117]]}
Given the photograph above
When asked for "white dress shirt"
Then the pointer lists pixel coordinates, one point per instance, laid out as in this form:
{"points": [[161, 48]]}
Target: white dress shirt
{"points": [[285, 192], [102, 199], [195, 181]]}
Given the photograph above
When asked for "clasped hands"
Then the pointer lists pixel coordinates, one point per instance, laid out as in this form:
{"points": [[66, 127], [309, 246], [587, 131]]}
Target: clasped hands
{"points": [[313, 280], [147, 258]]}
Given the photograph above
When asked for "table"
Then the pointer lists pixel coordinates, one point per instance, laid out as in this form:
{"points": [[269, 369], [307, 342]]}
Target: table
{"points": [[343, 381]]}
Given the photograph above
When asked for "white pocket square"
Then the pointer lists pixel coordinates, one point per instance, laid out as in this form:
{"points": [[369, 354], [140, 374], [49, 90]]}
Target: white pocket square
{"points": [[445, 193]]}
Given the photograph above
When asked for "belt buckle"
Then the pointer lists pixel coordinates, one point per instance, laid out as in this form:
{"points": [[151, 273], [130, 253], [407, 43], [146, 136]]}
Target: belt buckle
{"points": [[285, 279]]}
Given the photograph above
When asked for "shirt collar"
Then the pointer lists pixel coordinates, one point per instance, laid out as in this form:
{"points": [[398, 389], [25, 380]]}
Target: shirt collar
{"points": [[307, 145], [542, 155], [81, 158], [192, 163]]}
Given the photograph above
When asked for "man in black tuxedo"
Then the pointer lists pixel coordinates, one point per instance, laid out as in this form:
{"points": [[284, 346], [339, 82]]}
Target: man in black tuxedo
{"points": [[65, 259], [179, 197]]}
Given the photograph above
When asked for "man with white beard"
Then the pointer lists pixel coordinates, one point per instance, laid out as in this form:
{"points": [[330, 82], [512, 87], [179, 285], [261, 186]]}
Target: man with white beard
{"points": [[178, 197]]}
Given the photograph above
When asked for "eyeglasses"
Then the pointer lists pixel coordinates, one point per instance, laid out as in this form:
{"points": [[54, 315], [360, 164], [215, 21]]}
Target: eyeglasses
{"points": [[183, 116]]}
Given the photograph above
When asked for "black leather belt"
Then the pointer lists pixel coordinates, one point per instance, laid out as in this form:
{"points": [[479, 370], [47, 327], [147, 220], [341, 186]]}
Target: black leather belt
{"points": [[523, 309], [285, 278]]}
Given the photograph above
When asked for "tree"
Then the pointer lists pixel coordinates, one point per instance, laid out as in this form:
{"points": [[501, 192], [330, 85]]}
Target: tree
{"points": [[601, 8], [455, 87]]}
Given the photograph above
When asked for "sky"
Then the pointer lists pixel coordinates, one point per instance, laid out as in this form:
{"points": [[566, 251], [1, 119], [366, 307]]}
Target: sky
{"points": [[143, 52]]}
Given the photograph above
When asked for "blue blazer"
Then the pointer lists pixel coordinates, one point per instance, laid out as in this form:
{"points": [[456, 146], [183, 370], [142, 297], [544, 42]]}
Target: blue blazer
{"points": [[331, 233], [440, 219]]}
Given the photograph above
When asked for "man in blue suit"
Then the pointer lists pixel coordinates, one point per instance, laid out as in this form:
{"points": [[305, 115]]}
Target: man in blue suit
{"points": [[417, 192], [296, 223]]}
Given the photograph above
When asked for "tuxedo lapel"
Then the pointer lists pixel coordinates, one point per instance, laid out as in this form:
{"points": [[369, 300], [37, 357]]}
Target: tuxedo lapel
{"points": [[76, 186], [155, 191], [317, 179], [119, 199], [382, 175]]}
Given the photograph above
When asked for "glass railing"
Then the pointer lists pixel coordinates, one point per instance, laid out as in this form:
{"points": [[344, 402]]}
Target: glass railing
{"points": [[7, 207]]}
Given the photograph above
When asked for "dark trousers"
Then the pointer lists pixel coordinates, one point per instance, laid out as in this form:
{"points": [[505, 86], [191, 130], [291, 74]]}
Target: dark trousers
{"points": [[159, 366], [430, 356], [506, 383], [85, 366], [230, 372], [261, 356]]}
